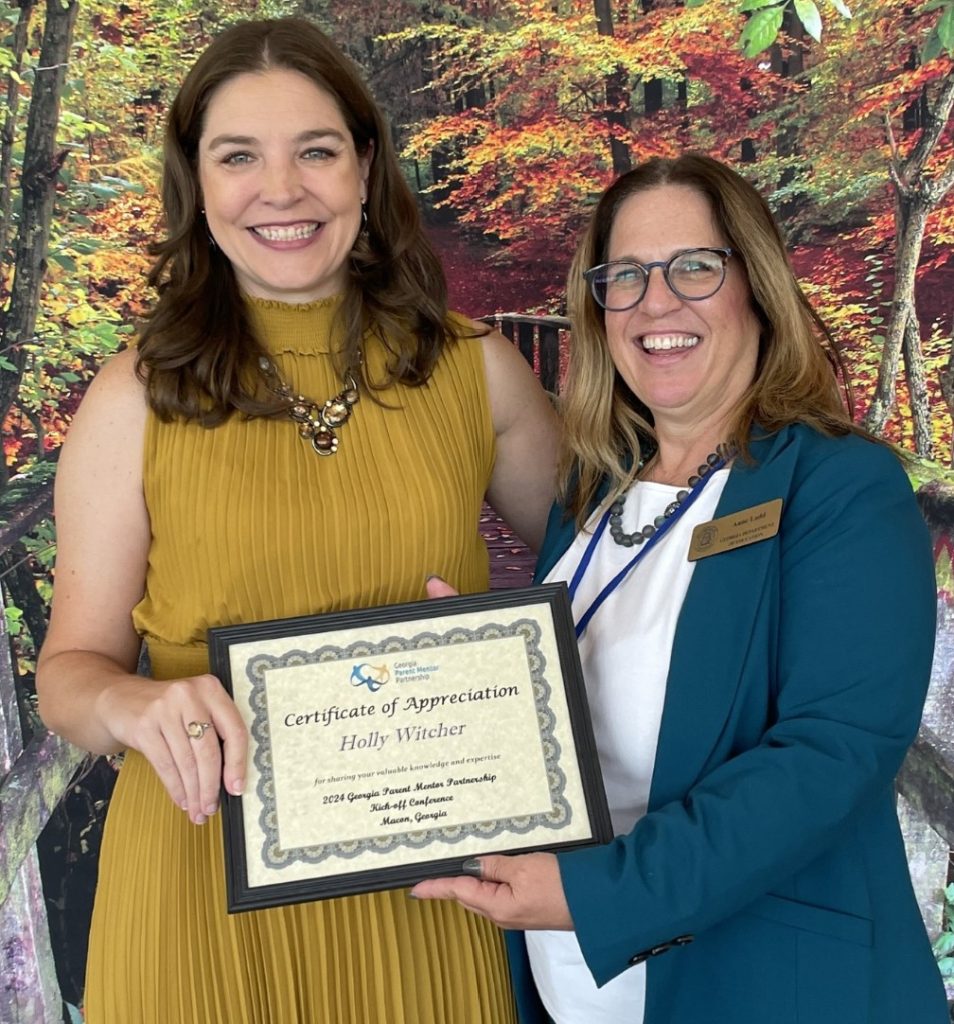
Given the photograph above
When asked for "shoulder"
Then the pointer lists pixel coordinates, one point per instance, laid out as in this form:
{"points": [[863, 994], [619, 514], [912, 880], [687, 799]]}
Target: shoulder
{"points": [[844, 463], [514, 392], [496, 348], [498, 353], [118, 379], [852, 496], [849, 463], [113, 412], [506, 367]]}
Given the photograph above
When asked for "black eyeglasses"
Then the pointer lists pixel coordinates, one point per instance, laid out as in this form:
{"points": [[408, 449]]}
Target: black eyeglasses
{"points": [[691, 274]]}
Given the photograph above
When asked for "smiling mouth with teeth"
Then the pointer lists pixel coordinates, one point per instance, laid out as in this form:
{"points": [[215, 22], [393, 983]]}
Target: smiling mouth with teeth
{"points": [[665, 342], [289, 234]]}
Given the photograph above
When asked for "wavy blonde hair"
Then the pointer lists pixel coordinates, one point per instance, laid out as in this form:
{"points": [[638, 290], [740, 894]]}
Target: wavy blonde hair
{"points": [[607, 429]]}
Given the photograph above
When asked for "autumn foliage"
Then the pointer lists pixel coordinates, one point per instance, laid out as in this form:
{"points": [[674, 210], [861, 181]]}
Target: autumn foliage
{"points": [[506, 114]]}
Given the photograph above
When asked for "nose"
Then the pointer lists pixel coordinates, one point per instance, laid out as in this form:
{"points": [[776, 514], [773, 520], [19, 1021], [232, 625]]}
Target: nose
{"points": [[281, 183], [658, 298]]}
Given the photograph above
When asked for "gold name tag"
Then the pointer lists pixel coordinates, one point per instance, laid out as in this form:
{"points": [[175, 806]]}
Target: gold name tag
{"points": [[736, 530]]}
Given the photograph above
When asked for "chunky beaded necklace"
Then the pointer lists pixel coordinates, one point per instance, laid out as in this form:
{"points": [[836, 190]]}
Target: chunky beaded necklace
{"points": [[316, 422], [627, 540]]}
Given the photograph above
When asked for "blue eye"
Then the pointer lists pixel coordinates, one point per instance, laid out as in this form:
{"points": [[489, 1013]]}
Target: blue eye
{"points": [[624, 276], [696, 264], [236, 159]]}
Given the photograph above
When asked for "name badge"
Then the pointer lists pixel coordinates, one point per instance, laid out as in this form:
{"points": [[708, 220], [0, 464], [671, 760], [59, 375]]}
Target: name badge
{"points": [[736, 530]]}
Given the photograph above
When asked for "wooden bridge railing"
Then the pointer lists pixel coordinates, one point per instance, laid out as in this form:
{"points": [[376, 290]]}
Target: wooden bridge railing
{"points": [[35, 771], [541, 340]]}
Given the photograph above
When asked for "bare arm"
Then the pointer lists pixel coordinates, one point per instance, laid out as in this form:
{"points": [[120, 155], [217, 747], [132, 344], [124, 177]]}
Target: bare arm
{"points": [[527, 427], [86, 674]]}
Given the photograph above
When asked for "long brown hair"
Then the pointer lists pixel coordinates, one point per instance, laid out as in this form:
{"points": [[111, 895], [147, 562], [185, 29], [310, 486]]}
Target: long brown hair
{"points": [[198, 351], [607, 427]]}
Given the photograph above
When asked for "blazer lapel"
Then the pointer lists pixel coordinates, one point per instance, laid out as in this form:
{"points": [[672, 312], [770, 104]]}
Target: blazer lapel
{"points": [[716, 624]]}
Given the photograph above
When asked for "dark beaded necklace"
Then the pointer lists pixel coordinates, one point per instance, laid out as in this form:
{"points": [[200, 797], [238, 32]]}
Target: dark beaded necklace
{"points": [[628, 540], [316, 422]]}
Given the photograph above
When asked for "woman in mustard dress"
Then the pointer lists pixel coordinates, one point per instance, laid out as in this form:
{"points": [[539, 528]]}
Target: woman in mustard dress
{"points": [[202, 485]]}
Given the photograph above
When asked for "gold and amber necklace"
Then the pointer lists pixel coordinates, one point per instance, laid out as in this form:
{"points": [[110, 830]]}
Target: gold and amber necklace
{"points": [[317, 422]]}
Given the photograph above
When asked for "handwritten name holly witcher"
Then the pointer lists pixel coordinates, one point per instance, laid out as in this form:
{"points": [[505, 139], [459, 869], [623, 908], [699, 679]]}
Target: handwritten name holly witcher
{"points": [[375, 739]]}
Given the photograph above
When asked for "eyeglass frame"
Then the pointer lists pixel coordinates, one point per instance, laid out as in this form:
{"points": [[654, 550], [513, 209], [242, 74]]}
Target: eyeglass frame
{"points": [[590, 275]]}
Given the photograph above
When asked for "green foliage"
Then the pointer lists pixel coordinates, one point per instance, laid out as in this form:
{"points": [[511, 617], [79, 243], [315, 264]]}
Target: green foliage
{"points": [[941, 38], [765, 20], [810, 18], [761, 30], [944, 943], [14, 620]]}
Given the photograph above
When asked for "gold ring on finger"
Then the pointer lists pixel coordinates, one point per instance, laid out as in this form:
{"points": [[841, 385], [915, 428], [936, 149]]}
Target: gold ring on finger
{"points": [[196, 730]]}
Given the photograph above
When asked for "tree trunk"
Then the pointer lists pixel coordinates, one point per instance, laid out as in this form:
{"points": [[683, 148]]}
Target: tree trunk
{"points": [[915, 113], [946, 380], [747, 151], [41, 165], [617, 94], [788, 64], [910, 221], [916, 196], [917, 387], [8, 133]]}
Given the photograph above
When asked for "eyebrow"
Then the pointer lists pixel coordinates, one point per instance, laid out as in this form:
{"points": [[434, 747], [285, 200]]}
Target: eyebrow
{"points": [[248, 140], [675, 252]]}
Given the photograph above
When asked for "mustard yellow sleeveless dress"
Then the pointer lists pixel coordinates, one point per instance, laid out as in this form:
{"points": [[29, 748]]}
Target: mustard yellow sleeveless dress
{"points": [[249, 523]]}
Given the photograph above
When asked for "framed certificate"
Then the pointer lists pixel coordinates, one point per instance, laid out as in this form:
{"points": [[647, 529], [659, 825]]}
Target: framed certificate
{"points": [[391, 744]]}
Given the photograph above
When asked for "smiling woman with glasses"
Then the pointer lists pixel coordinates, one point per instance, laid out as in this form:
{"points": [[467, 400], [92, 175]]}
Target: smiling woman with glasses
{"points": [[754, 598]]}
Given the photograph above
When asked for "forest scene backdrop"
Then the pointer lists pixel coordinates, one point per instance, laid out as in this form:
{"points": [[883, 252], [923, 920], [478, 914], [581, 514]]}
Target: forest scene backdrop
{"points": [[511, 116]]}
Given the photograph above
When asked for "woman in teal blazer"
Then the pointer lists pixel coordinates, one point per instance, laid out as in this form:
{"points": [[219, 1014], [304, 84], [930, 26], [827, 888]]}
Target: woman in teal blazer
{"points": [[765, 880]]}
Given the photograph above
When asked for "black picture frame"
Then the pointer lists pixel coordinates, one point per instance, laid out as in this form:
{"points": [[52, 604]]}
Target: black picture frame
{"points": [[262, 872]]}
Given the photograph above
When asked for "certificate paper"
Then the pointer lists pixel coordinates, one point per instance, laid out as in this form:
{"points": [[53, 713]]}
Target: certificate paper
{"points": [[389, 745]]}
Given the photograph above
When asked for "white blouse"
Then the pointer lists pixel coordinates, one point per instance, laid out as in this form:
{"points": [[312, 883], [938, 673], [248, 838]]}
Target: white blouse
{"points": [[625, 654]]}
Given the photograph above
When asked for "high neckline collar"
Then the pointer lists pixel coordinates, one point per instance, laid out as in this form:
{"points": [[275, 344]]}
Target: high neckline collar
{"points": [[302, 328], [331, 302]]}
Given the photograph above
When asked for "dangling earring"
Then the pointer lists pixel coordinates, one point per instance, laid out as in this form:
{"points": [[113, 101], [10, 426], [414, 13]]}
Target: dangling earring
{"points": [[364, 216]]}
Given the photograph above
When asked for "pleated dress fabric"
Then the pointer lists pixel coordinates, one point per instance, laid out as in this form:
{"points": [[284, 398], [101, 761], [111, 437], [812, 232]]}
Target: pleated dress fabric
{"points": [[249, 523]]}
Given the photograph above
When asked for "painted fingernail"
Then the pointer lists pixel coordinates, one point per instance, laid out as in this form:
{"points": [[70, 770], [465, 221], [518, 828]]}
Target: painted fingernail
{"points": [[199, 819], [238, 787], [434, 576], [211, 809], [412, 896], [471, 867]]}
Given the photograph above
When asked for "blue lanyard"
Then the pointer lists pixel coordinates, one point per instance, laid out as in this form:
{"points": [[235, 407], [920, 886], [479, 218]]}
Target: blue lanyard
{"points": [[644, 550]]}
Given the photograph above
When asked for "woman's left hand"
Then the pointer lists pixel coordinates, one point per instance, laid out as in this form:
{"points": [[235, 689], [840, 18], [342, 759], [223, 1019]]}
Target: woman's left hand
{"points": [[522, 892]]}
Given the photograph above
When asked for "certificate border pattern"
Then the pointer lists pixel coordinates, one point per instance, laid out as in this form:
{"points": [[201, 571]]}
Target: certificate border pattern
{"points": [[275, 857]]}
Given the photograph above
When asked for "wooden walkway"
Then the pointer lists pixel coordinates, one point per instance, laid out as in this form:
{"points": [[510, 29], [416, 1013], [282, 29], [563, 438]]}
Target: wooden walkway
{"points": [[511, 562]]}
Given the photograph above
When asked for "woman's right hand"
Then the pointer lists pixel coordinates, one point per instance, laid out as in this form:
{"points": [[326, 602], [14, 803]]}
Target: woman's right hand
{"points": [[188, 729]]}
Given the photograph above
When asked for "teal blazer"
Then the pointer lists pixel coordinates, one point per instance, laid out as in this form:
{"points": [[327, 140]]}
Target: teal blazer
{"points": [[768, 884]]}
